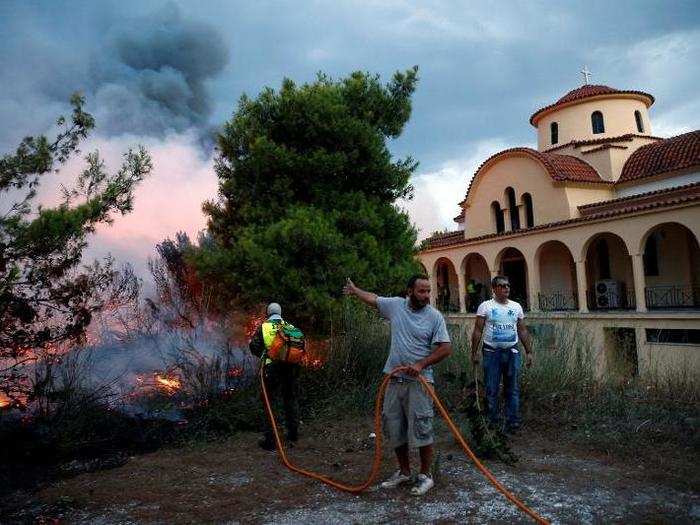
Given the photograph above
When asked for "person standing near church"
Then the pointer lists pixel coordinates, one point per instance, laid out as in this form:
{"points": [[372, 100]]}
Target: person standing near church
{"points": [[419, 340], [500, 322]]}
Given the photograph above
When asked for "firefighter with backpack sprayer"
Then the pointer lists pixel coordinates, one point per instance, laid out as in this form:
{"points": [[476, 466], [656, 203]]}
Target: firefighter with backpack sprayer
{"points": [[280, 347]]}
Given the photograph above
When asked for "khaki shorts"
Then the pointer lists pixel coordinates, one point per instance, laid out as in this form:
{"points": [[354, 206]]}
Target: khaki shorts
{"points": [[407, 414]]}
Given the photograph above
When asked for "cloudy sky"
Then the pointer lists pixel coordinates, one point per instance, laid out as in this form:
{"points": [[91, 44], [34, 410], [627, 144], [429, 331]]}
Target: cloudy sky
{"points": [[167, 74]]}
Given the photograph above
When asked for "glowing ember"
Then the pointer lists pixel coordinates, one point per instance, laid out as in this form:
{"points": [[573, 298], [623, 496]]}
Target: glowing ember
{"points": [[316, 353], [4, 401], [252, 325], [235, 371], [167, 384]]}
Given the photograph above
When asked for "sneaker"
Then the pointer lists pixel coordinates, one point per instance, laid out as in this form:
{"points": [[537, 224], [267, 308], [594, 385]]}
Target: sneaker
{"points": [[395, 480], [423, 484]]}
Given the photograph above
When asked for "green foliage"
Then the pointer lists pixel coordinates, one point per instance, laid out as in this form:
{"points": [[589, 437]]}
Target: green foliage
{"points": [[307, 193], [352, 369], [45, 298]]}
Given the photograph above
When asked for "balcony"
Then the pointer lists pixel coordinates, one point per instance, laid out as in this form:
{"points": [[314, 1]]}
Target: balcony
{"points": [[557, 301], [673, 297]]}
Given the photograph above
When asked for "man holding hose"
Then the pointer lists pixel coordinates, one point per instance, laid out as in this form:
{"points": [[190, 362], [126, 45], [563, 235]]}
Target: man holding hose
{"points": [[419, 339]]}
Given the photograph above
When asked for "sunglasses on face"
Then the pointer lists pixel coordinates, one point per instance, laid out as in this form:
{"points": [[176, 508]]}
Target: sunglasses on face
{"points": [[503, 285]]}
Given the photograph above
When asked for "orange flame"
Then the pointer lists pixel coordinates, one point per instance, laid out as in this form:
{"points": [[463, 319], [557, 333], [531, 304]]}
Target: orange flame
{"points": [[168, 384], [4, 401]]}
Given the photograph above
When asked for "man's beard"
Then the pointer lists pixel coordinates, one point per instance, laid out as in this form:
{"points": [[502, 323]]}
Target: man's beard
{"points": [[417, 304]]}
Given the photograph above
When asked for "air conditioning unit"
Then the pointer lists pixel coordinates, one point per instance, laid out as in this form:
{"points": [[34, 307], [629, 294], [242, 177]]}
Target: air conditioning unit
{"points": [[608, 293]]}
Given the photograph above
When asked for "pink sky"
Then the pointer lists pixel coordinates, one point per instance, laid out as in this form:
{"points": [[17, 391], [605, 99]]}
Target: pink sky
{"points": [[168, 201]]}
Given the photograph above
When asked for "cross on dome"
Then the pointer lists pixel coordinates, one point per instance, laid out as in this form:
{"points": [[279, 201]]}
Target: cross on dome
{"points": [[586, 73]]}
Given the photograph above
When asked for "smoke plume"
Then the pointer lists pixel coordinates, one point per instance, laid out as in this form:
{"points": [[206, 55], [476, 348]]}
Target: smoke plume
{"points": [[148, 76]]}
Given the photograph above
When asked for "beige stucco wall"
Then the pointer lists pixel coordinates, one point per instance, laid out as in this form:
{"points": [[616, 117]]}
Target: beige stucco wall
{"points": [[681, 178], [653, 358], [523, 174], [575, 121], [578, 195], [557, 270]]}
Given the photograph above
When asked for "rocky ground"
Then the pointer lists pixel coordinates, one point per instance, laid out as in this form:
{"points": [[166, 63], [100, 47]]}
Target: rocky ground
{"points": [[235, 482]]}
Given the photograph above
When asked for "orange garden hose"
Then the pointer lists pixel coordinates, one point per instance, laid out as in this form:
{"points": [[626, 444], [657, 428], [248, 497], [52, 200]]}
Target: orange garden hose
{"points": [[376, 462]]}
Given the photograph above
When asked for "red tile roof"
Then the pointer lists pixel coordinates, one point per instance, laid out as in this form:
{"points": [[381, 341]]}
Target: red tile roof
{"points": [[632, 204], [588, 91], [559, 167], [443, 239], [676, 153], [605, 140], [604, 147], [641, 198]]}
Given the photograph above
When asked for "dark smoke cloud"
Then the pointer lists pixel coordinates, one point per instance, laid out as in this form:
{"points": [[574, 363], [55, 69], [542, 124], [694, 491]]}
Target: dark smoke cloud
{"points": [[148, 76]]}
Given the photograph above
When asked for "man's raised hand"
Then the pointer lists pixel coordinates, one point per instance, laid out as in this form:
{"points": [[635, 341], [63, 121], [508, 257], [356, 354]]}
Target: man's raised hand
{"points": [[349, 288]]}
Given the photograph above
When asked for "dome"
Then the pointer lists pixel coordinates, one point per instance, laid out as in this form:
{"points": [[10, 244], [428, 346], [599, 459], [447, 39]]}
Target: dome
{"points": [[586, 92]]}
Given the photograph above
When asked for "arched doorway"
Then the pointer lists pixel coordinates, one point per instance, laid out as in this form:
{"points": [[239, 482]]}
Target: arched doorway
{"points": [[423, 269], [609, 275], [671, 267], [512, 264], [447, 286], [478, 280], [558, 290]]}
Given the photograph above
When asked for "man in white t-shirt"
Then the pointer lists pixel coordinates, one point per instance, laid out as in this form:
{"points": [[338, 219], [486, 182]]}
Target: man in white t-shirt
{"points": [[500, 321]]}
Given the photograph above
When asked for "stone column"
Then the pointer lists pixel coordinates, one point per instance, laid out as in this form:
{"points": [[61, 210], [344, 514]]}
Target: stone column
{"points": [[639, 282], [433, 287], [462, 287], [506, 220], [533, 286], [581, 285]]}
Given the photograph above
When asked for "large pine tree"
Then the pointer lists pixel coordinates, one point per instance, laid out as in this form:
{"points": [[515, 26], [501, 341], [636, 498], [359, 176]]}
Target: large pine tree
{"points": [[307, 195]]}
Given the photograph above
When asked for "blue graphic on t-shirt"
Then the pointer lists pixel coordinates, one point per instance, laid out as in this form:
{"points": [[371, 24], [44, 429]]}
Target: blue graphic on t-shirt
{"points": [[503, 326]]}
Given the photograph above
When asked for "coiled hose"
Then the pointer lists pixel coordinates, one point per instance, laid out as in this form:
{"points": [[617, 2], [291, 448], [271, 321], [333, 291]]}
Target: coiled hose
{"points": [[376, 461]]}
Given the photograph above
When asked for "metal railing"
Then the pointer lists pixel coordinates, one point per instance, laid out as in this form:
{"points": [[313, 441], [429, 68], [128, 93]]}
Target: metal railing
{"points": [[557, 301], [672, 297], [447, 306]]}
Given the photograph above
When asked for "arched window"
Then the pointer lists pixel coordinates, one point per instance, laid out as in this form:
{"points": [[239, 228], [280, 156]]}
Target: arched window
{"points": [[513, 208], [597, 122], [529, 214], [638, 119], [554, 132], [498, 216]]}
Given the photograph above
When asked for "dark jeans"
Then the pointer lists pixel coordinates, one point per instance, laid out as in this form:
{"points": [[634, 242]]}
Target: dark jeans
{"points": [[281, 383], [503, 363]]}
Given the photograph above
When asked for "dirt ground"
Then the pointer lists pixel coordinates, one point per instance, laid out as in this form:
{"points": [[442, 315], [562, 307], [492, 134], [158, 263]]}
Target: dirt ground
{"points": [[236, 482]]}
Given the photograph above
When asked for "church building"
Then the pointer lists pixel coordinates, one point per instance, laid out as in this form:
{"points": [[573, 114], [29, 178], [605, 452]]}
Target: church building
{"points": [[599, 224]]}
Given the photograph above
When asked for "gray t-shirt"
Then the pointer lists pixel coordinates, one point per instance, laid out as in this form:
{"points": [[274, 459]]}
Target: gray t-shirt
{"points": [[413, 332]]}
